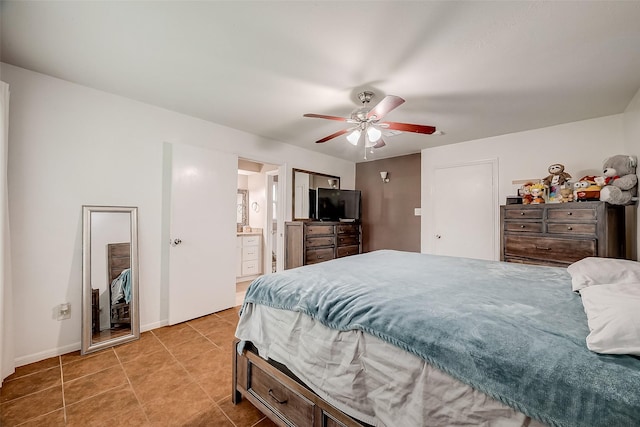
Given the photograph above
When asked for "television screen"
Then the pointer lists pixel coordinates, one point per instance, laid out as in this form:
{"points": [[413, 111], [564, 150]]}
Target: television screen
{"points": [[333, 204]]}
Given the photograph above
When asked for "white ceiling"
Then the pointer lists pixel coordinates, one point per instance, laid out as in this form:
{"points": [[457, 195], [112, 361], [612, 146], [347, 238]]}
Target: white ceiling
{"points": [[472, 69]]}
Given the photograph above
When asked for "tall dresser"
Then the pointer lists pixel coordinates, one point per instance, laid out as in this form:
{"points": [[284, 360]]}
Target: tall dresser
{"points": [[559, 234], [311, 242]]}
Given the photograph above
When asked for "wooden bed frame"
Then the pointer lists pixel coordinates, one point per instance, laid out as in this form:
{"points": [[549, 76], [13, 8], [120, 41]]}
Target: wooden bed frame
{"points": [[278, 394], [118, 259]]}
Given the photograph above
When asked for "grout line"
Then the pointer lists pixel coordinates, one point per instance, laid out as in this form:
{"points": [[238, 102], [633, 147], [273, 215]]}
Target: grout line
{"points": [[64, 404], [133, 390]]}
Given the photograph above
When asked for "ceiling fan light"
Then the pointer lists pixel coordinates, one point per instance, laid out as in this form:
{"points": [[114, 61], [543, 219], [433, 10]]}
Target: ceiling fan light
{"points": [[354, 137], [373, 133]]}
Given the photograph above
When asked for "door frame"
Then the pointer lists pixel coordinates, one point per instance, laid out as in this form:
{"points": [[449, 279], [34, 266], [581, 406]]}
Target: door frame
{"points": [[429, 238]]}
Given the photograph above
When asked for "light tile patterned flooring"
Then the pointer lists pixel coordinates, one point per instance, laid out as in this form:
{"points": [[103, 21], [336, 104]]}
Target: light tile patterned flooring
{"points": [[178, 375]]}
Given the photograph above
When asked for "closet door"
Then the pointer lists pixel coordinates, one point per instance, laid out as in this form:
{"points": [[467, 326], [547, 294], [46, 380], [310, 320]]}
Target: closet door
{"points": [[465, 210], [202, 236]]}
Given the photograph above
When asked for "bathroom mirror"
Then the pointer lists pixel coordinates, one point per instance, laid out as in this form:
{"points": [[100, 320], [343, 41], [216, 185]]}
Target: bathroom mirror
{"points": [[304, 184], [109, 276]]}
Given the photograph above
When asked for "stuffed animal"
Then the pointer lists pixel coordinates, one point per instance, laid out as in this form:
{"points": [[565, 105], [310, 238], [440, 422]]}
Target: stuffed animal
{"points": [[586, 189], [621, 182], [537, 191], [566, 195], [557, 175]]}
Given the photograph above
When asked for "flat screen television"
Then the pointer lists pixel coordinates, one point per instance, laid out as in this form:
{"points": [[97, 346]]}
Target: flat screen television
{"points": [[335, 205]]}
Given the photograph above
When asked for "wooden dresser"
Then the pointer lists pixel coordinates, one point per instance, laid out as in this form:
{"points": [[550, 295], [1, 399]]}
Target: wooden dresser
{"points": [[561, 233], [310, 242]]}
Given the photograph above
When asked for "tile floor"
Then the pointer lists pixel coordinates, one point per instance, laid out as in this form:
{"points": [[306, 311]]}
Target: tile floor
{"points": [[178, 375]]}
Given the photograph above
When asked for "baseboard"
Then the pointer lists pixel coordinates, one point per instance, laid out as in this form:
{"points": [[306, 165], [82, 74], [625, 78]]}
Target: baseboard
{"points": [[58, 351], [36, 357]]}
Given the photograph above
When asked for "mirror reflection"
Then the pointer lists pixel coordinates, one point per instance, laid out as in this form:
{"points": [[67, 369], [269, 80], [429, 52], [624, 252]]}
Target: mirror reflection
{"points": [[304, 185], [110, 273]]}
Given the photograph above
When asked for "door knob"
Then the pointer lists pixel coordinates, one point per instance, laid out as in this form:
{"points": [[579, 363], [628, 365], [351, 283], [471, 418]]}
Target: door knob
{"points": [[176, 242], [438, 236]]}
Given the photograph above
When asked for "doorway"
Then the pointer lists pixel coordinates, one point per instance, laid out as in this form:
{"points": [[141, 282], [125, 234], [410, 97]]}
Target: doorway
{"points": [[262, 183]]}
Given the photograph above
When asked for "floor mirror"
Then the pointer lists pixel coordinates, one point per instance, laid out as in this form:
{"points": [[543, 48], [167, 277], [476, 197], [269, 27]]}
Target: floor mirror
{"points": [[109, 277]]}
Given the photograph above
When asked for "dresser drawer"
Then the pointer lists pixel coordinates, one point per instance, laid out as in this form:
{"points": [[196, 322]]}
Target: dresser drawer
{"points": [[288, 404], [319, 229], [313, 256], [348, 229], [313, 242], [549, 248], [523, 213], [348, 250], [250, 240], [250, 268], [347, 240], [532, 227], [250, 253], [572, 228], [571, 214]]}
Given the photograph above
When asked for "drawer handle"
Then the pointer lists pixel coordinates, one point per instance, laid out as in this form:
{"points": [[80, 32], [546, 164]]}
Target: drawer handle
{"points": [[569, 228], [569, 213], [522, 213], [273, 396], [522, 226], [543, 248], [320, 256]]}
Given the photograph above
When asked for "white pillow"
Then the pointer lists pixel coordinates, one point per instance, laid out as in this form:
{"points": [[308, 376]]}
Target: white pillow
{"points": [[613, 313], [598, 271]]}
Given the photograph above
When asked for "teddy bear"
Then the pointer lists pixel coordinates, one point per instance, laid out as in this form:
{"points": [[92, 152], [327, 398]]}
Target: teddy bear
{"points": [[566, 195], [621, 182], [557, 175]]}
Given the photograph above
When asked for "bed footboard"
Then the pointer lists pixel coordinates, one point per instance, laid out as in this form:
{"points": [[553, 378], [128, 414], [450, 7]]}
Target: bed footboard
{"points": [[282, 398]]}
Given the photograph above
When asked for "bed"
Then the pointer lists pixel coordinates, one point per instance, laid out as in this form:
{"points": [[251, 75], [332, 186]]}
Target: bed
{"points": [[119, 275], [391, 338]]}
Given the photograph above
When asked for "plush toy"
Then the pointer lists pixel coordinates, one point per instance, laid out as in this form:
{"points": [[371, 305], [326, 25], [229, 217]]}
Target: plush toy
{"points": [[621, 182], [537, 191], [566, 195], [557, 175], [525, 192], [586, 189]]}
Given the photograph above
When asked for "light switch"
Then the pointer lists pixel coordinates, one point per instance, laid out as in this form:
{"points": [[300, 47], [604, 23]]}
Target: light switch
{"points": [[417, 211]]}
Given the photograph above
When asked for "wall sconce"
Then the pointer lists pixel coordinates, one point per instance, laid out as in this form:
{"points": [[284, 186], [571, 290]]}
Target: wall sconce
{"points": [[383, 175]]}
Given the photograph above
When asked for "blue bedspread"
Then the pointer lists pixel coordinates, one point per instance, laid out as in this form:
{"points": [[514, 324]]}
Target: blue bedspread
{"points": [[514, 332]]}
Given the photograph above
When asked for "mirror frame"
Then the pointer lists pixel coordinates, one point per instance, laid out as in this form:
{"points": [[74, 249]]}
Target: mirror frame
{"points": [[87, 345], [293, 189]]}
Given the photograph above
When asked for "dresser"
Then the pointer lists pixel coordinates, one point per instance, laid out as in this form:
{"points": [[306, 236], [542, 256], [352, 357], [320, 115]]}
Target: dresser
{"points": [[559, 234], [249, 256], [311, 242]]}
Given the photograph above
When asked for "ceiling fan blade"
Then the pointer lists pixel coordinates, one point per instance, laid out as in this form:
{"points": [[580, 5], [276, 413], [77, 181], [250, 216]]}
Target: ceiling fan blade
{"points": [[380, 143], [387, 104], [333, 135], [408, 127], [322, 116]]}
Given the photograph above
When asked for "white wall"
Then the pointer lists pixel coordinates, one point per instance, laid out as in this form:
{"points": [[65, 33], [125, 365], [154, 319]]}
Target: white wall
{"points": [[580, 146], [70, 145]]}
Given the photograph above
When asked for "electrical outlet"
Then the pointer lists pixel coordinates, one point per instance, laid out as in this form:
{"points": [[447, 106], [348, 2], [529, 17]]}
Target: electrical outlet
{"points": [[64, 311]]}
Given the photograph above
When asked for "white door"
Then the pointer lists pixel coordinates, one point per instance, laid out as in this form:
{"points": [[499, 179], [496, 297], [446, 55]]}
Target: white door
{"points": [[465, 210], [202, 232]]}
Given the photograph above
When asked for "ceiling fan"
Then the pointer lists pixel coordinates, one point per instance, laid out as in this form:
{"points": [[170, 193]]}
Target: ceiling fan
{"points": [[368, 125]]}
